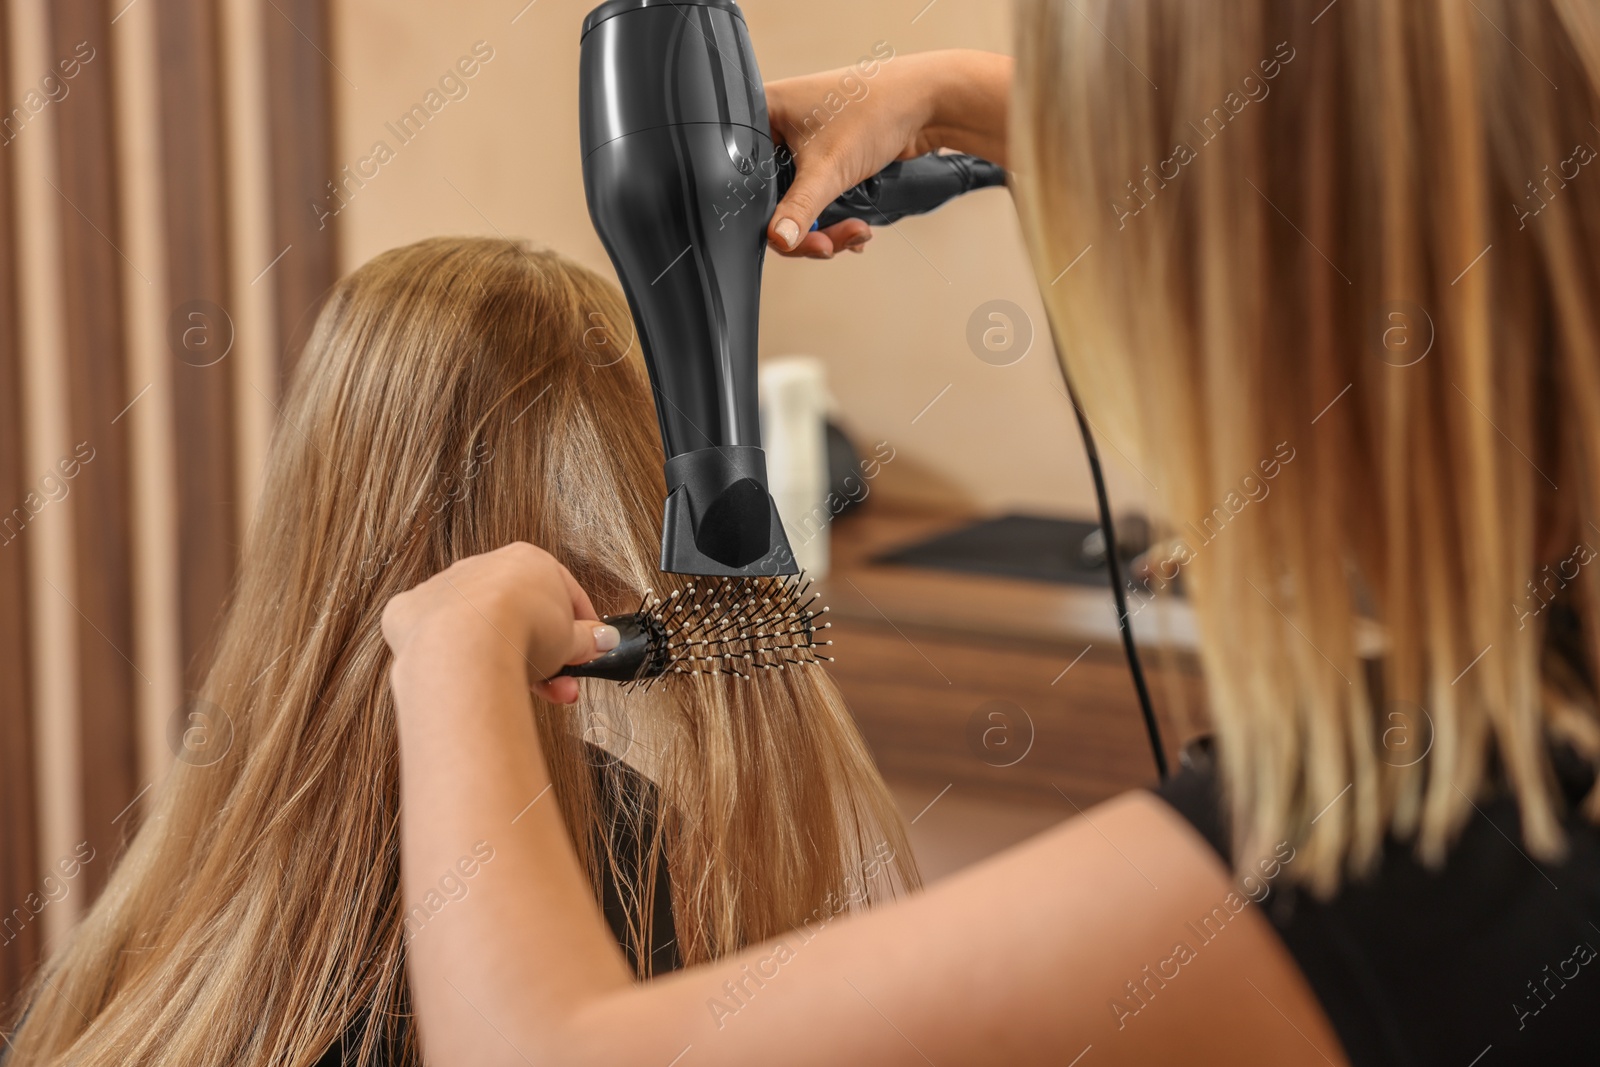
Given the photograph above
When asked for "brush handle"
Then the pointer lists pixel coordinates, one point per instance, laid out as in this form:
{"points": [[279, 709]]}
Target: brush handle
{"points": [[642, 652]]}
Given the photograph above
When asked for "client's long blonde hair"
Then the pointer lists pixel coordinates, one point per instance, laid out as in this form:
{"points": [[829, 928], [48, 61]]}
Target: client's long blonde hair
{"points": [[1345, 253], [456, 395]]}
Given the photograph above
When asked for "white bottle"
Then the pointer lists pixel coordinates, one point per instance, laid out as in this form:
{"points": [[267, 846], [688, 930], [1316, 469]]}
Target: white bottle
{"points": [[794, 411]]}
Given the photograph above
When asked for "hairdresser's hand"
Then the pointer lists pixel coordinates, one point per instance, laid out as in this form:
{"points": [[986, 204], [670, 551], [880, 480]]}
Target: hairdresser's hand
{"points": [[845, 125], [517, 596]]}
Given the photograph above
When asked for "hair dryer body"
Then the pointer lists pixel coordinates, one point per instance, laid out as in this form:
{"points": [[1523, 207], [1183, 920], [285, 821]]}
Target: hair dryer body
{"points": [[673, 122], [681, 178]]}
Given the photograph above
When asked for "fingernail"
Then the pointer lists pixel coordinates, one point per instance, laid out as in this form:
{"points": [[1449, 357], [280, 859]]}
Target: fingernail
{"points": [[606, 638], [788, 232], [858, 240]]}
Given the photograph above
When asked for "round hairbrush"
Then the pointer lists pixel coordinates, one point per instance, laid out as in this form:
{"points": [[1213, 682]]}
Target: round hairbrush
{"points": [[734, 626]]}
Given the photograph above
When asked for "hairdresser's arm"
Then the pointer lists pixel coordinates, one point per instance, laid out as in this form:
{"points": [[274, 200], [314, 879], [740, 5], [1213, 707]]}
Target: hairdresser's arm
{"points": [[1018, 960], [846, 125]]}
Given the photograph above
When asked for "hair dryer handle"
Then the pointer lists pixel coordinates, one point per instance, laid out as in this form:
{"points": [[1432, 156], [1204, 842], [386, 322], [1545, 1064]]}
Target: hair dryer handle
{"points": [[905, 187]]}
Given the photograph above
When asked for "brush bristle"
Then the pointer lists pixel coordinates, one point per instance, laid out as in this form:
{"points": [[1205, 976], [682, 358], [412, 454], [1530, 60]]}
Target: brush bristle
{"points": [[739, 626]]}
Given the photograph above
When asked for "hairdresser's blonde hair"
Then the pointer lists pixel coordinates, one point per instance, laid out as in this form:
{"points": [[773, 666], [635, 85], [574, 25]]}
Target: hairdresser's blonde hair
{"points": [[456, 395], [1352, 192]]}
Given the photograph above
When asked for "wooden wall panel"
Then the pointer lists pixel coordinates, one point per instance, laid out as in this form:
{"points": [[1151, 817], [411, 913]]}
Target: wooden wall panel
{"points": [[200, 330], [118, 341], [19, 859], [300, 115], [97, 395]]}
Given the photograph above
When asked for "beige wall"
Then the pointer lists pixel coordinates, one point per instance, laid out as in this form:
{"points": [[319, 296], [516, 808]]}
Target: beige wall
{"points": [[891, 324]]}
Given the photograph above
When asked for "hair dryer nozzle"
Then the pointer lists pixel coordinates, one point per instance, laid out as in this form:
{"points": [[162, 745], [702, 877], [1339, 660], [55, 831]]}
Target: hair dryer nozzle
{"points": [[720, 519]]}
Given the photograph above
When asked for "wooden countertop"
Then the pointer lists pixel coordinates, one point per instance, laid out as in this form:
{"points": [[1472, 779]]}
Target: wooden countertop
{"points": [[995, 686], [982, 607]]}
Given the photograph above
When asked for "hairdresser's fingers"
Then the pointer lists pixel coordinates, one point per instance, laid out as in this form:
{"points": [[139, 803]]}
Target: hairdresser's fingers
{"points": [[547, 570], [523, 594], [815, 186], [814, 245], [851, 147], [591, 638], [849, 234], [566, 628], [820, 176], [843, 126]]}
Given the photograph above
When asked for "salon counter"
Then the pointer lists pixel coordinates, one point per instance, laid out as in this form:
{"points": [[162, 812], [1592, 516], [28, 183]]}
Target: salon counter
{"points": [[1014, 690]]}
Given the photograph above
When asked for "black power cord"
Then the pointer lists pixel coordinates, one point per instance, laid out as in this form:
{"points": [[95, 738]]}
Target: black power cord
{"points": [[1114, 571]]}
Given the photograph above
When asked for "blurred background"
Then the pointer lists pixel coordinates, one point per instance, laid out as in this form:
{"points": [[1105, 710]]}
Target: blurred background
{"points": [[180, 183]]}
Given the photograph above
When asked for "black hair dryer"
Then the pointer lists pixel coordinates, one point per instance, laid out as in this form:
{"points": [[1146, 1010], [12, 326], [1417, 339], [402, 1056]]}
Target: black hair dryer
{"points": [[681, 178]]}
